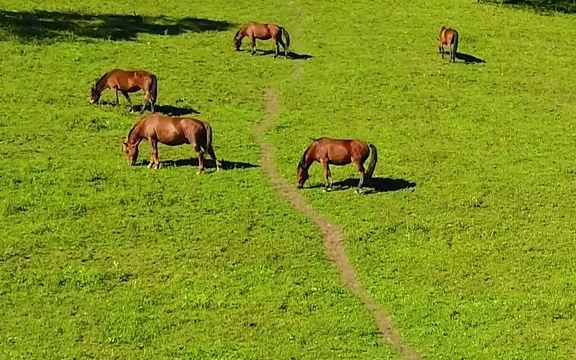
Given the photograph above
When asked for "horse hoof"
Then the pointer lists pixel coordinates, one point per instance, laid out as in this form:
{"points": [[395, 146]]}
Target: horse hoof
{"points": [[358, 191], [327, 189]]}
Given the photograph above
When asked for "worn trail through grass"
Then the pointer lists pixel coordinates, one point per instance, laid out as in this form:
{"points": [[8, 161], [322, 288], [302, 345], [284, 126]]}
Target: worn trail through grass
{"points": [[332, 233]]}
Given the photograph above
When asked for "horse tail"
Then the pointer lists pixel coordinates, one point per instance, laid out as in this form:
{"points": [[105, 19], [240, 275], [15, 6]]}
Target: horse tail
{"points": [[154, 89], [208, 136], [373, 161], [286, 36], [454, 50]]}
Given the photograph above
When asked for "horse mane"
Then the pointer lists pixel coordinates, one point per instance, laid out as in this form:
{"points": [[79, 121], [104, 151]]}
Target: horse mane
{"points": [[242, 28], [132, 130], [303, 159], [301, 163], [102, 78]]}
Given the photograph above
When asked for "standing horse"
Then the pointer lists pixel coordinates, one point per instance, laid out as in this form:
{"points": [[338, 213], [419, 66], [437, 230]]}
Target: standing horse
{"points": [[448, 37], [170, 131], [263, 32], [328, 151], [127, 82]]}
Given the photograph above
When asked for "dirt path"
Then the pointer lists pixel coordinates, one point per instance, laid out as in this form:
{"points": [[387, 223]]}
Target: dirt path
{"points": [[333, 235]]}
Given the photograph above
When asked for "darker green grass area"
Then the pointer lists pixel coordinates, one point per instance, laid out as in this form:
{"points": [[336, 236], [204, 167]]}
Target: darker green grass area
{"points": [[543, 6], [50, 26]]}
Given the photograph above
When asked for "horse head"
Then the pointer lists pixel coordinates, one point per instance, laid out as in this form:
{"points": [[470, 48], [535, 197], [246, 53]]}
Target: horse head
{"points": [[237, 40], [131, 152], [301, 175], [94, 95]]}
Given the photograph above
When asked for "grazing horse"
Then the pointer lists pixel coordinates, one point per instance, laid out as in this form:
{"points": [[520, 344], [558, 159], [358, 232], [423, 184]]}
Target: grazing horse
{"points": [[328, 151], [170, 131], [263, 32], [448, 37], [127, 82]]}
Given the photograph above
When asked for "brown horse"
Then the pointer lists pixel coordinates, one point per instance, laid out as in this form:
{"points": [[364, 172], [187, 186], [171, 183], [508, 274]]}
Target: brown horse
{"points": [[448, 37], [127, 82], [328, 151], [170, 131], [263, 32]]}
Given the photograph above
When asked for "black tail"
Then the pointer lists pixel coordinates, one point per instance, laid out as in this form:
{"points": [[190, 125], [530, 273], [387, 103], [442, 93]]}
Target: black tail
{"points": [[373, 161], [154, 91], [208, 136], [454, 46], [286, 37]]}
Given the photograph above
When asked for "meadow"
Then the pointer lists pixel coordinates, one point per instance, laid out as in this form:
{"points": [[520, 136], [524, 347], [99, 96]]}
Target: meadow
{"points": [[467, 243]]}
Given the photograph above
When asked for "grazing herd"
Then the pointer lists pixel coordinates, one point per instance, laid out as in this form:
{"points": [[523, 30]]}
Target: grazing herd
{"points": [[173, 131]]}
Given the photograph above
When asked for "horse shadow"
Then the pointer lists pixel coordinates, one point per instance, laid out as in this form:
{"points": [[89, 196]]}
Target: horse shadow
{"points": [[469, 59], [291, 55], [208, 163], [373, 185], [173, 110]]}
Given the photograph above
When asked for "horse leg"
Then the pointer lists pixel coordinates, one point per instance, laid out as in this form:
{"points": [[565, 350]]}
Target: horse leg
{"points": [[200, 162], [360, 167], [127, 98], [253, 44], [327, 176], [213, 156], [154, 160], [442, 50], [117, 101], [144, 105], [283, 47], [277, 49]]}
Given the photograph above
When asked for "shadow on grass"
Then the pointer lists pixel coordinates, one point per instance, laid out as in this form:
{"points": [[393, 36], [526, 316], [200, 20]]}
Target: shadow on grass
{"points": [[171, 110], [208, 163], [374, 185], [162, 109], [291, 55], [467, 58], [544, 6], [42, 25]]}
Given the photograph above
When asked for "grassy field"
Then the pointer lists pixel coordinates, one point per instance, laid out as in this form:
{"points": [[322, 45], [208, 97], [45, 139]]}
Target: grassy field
{"points": [[467, 243]]}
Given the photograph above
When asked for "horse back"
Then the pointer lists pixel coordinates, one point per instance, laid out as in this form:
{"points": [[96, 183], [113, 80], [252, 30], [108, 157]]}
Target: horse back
{"points": [[130, 81], [263, 31], [340, 151], [447, 35]]}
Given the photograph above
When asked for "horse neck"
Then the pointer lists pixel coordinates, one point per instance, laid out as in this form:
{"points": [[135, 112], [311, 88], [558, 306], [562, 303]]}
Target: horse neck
{"points": [[135, 136], [306, 162], [241, 34], [102, 82]]}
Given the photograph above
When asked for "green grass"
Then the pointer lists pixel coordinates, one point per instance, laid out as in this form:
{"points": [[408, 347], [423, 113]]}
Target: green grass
{"points": [[101, 260], [477, 261]]}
